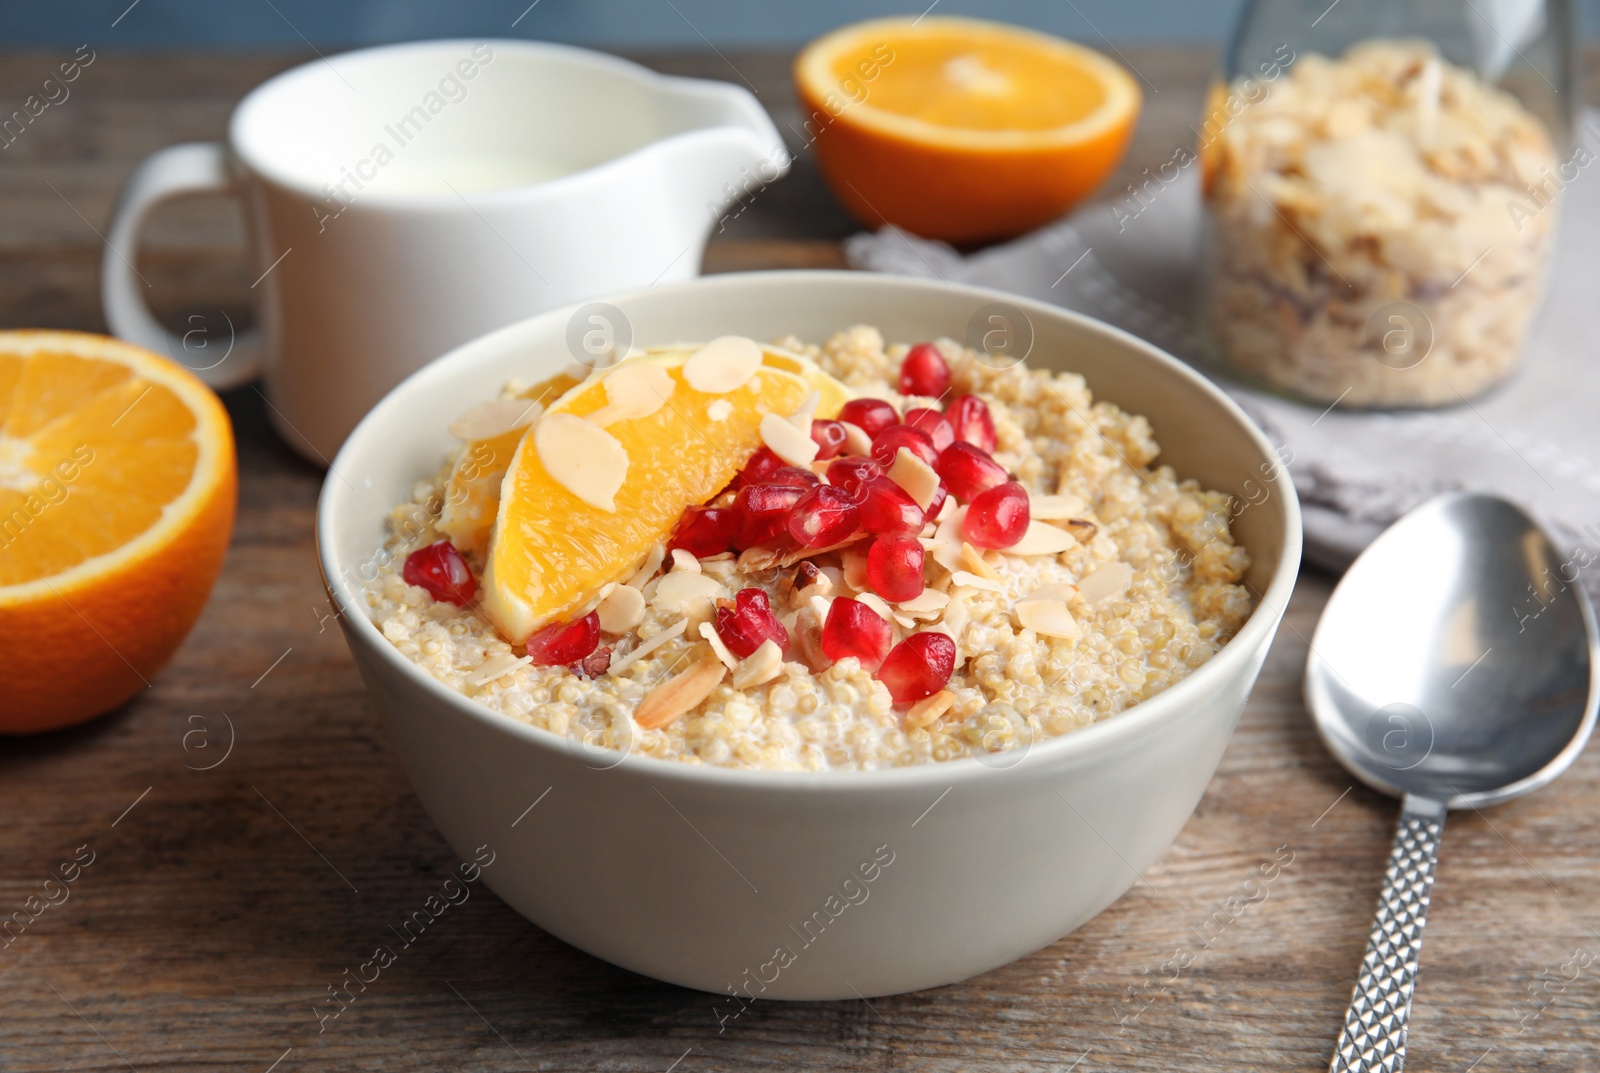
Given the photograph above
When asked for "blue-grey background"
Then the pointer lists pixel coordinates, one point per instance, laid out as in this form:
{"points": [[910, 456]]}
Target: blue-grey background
{"points": [[250, 24]]}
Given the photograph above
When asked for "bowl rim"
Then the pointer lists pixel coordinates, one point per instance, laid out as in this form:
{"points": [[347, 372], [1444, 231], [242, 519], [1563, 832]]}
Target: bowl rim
{"points": [[1097, 738]]}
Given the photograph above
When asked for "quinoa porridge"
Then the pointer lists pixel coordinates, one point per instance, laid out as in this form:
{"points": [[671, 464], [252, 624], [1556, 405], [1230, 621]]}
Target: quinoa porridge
{"points": [[906, 584]]}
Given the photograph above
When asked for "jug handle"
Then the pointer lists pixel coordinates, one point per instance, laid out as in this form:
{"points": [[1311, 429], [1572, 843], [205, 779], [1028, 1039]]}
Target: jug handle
{"points": [[191, 168]]}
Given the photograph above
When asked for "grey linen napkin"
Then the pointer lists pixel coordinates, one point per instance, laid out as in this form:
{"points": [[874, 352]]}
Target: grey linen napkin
{"points": [[1534, 440]]}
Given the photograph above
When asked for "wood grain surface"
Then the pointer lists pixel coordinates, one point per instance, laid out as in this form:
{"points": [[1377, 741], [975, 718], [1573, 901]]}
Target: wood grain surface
{"points": [[252, 836]]}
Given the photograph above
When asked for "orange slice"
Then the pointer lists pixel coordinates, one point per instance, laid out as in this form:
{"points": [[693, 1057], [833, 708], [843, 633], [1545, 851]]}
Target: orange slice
{"points": [[117, 490], [472, 494], [962, 130], [553, 548]]}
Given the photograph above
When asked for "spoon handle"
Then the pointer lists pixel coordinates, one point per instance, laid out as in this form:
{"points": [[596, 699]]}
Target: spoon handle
{"points": [[1374, 1035]]}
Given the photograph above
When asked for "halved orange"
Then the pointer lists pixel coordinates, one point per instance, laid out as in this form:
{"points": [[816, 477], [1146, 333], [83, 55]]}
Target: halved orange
{"points": [[959, 129], [117, 492], [552, 551]]}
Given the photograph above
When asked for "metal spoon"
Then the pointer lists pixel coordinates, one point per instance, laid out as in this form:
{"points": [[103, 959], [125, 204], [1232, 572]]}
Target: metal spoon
{"points": [[1454, 667]]}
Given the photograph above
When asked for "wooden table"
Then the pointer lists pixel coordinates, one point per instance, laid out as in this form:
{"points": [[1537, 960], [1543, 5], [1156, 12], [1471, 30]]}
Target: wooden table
{"points": [[221, 903]]}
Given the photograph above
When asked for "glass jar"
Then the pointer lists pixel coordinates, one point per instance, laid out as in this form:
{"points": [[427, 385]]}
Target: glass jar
{"points": [[1380, 181]]}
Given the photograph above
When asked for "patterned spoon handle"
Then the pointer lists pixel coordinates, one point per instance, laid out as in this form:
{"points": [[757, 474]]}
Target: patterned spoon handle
{"points": [[1374, 1035]]}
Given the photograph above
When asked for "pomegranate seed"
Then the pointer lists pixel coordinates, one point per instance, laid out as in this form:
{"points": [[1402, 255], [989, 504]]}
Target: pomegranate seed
{"points": [[563, 643], [968, 472], [794, 477], [894, 568], [924, 372], [872, 416], [762, 510], [918, 667], [888, 443], [939, 494], [759, 470], [853, 474], [998, 518], [705, 531], [934, 424], [854, 629], [825, 515], [829, 436], [969, 417], [748, 622], [886, 508], [440, 569]]}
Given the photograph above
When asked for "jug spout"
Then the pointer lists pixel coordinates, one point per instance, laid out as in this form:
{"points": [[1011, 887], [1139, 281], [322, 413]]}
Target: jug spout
{"points": [[731, 151]]}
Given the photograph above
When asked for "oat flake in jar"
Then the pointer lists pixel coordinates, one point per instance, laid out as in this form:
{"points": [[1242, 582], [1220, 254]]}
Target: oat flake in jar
{"points": [[1382, 191]]}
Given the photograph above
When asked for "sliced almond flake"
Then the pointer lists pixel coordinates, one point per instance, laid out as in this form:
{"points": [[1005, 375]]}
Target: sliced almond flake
{"points": [[795, 556], [495, 418], [709, 632], [1056, 507], [1108, 581], [1048, 618], [929, 710], [822, 586], [698, 609], [719, 557], [621, 609], [974, 561], [648, 568], [681, 585], [801, 418], [854, 564], [877, 603], [633, 389], [722, 365], [927, 531], [973, 581], [584, 459], [718, 409], [906, 621], [680, 693], [929, 600], [955, 620], [760, 558], [914, 476], [787, 442], [1060, 590], [683, 559], [856, 440], [948, 508], [621, 663], [1081, 528], [947, 537], [760, 666], [820, 606], [1042, 538], [496, 667]]}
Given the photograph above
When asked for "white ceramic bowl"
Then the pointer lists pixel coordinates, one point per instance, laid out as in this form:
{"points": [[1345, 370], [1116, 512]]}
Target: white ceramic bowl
{"points": [[802, 886]]}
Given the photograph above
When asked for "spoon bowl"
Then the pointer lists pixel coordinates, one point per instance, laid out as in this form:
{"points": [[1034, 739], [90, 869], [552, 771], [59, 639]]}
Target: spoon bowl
{"points": [[1455, 658], [1454, 668]]}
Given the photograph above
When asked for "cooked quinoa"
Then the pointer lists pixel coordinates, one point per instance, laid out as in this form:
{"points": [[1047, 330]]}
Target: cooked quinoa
{"points": [[1010, 686]]}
